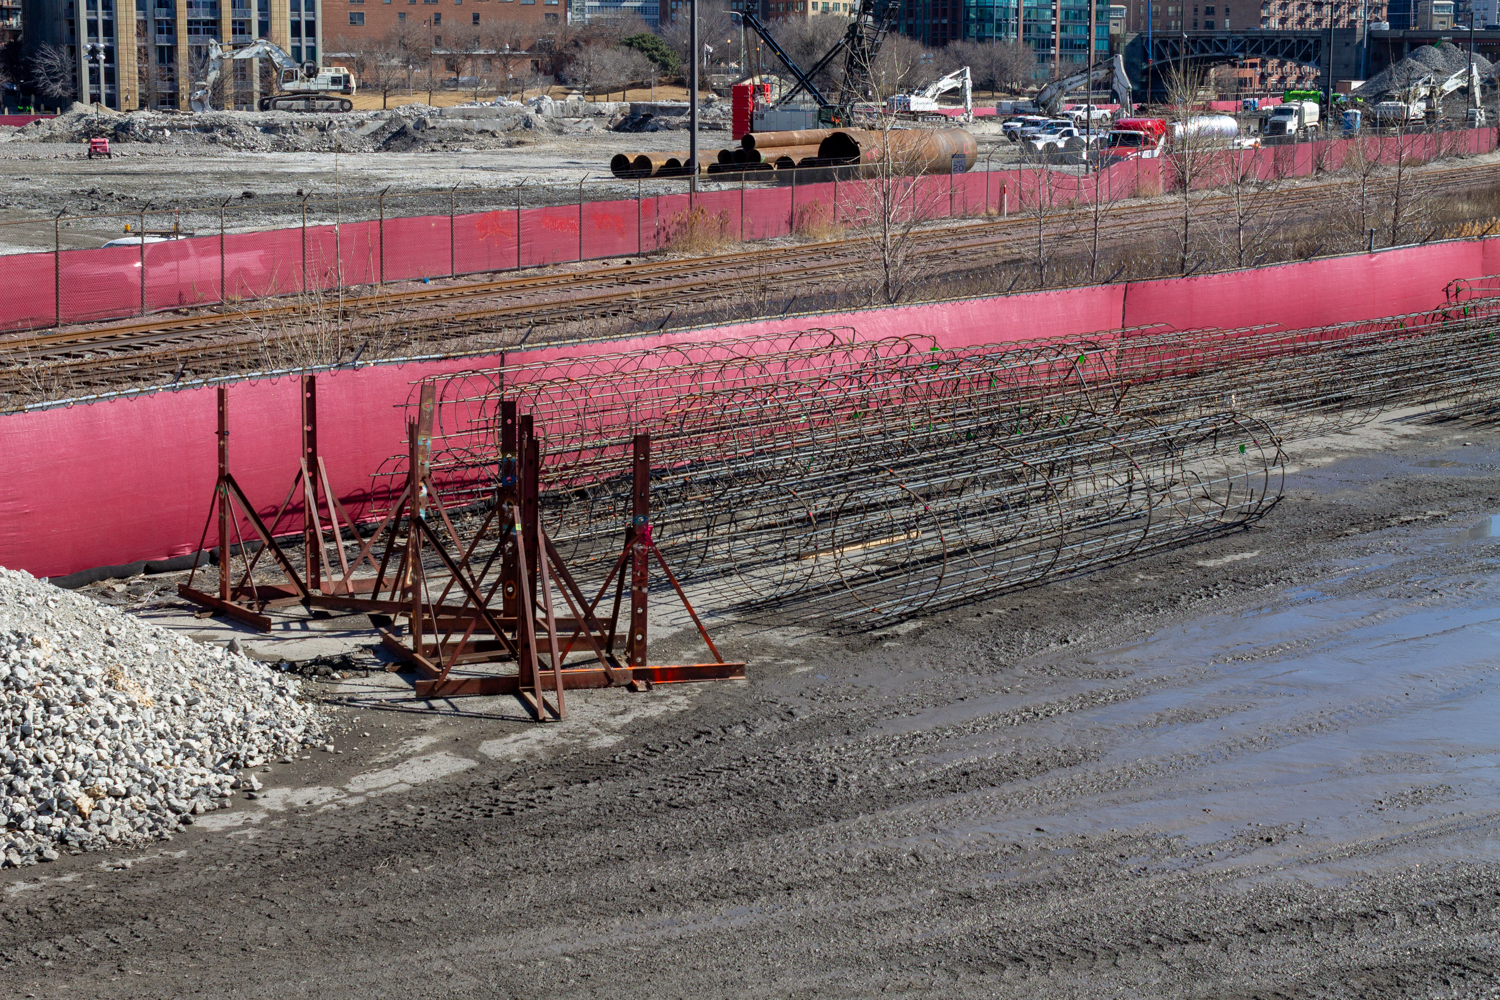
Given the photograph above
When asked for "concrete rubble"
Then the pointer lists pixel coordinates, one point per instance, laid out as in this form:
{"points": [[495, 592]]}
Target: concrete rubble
{"points": [[406, 128], [114, 731]]}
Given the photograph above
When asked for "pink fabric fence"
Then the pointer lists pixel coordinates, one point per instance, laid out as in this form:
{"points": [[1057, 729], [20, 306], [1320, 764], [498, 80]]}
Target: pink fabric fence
{"points": [[126, 479], [113, 283]]}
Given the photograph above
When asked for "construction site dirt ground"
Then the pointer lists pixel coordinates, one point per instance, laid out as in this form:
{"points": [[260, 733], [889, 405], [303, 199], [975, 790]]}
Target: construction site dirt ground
{"points": [[1260, 766], [40, 179]]}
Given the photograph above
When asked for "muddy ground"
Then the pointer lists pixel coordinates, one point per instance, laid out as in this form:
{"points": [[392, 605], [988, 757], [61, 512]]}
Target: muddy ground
{"points": [[1260, 766]]}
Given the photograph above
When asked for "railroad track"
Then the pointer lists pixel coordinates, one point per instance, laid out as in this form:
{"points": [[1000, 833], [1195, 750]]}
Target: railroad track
{"points": [[153, 346]]}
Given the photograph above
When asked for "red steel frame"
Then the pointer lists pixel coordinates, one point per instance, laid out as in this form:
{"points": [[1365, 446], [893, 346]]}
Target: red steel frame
{"points": [[453, 618]]}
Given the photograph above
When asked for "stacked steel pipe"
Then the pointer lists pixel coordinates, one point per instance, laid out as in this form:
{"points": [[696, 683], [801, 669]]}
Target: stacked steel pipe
{"points": [[866, 152]]}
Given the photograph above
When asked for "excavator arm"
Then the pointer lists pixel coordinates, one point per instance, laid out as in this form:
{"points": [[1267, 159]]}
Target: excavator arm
{"points": [[200, 98], [269, 50], [1049, 100]]}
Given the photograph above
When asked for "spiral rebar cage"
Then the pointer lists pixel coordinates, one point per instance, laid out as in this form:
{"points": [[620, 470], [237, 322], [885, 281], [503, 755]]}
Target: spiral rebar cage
{"points": [[822, 478]]}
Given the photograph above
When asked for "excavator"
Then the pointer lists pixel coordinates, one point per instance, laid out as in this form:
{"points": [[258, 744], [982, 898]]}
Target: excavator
{"points": [[926, 99], [1424, 98], [300, 87], [1049, 100]]}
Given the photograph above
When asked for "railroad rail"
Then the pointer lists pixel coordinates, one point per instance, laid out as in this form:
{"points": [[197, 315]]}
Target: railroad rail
{"points": [[154, 347]]}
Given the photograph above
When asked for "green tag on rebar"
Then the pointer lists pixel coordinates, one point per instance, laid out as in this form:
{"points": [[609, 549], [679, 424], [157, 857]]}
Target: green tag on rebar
{"points": [[1242, 449]]}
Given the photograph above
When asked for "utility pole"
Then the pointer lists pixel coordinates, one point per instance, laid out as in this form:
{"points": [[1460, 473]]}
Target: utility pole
{"points": [[1328, 83], [1150, 53], [692, 163], [1473, 90]]}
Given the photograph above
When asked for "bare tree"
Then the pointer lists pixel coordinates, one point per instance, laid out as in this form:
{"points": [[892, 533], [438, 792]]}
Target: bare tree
{"points": [[586, 67], [383, 67], [805, 39], [899, 67], [1191, 150], [995, 66], [509, 42], [414, 43], [1408, 202], [1253, 213], [609, 67], [469, 54], [716, 31], [1039, 210], [52, 72], [886, 210]]}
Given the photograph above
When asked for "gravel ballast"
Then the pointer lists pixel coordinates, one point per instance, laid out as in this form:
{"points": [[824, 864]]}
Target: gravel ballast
{"points": [[117, 732]]}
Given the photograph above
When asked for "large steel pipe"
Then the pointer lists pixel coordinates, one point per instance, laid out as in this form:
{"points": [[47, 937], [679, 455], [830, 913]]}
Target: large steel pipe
{"points": [[799, 137], [669, 164], [901, 151], [780, 157]]}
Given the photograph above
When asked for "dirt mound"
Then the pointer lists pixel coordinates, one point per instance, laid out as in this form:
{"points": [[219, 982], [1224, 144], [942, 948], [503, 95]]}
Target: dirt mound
{"points": [[1438, 61]]}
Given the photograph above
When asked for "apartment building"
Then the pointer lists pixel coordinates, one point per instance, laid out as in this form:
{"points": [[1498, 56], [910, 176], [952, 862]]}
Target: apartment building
{"points": [[1057, 30], [356, 24], [129, 54]]}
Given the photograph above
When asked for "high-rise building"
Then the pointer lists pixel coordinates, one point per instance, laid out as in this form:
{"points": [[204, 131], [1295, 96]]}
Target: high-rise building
{"points": [[1057, 30], [128, 54]]}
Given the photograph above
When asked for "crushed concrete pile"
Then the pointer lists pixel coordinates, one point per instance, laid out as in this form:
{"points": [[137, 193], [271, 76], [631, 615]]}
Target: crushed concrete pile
{"points": [[1438, 61], [664, 116], [405, 127], [113, 731]]}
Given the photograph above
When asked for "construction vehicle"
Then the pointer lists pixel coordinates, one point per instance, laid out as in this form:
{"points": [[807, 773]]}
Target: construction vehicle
{"points": [[1422, 99], [926, 100], [859, 46], [1135, 138], [1298, 118], [300, 86], [1049, 100]]}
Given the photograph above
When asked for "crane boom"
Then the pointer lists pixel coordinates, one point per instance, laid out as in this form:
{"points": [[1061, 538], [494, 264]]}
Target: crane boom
{"points": [[804, 80], [862, 43]]}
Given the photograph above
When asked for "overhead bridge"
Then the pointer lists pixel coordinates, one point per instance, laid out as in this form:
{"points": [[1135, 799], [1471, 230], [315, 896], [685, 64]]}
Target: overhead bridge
{"points": [[1152, 65]]}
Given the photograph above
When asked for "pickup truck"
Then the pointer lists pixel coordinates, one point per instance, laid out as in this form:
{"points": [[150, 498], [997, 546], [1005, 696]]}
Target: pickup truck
{"points": [[1053, 137], [1015, 128]]}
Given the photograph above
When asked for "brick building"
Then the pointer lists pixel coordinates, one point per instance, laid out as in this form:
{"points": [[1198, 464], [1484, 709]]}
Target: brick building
{"points": [[356, 24]]}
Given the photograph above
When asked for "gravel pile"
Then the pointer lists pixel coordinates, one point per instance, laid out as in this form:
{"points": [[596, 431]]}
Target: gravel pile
{"points": [[1440, 61], [118, 732]]}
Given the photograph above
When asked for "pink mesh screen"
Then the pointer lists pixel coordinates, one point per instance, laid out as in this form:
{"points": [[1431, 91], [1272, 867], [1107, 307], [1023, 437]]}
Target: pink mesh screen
{"points": [[419, 247]]}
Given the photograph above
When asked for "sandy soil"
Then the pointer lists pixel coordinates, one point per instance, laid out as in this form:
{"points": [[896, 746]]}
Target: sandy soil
{"points": [[1261, 766]]}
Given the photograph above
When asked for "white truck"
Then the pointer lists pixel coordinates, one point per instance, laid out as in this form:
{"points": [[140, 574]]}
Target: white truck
{"points": [[1298, 118]]}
